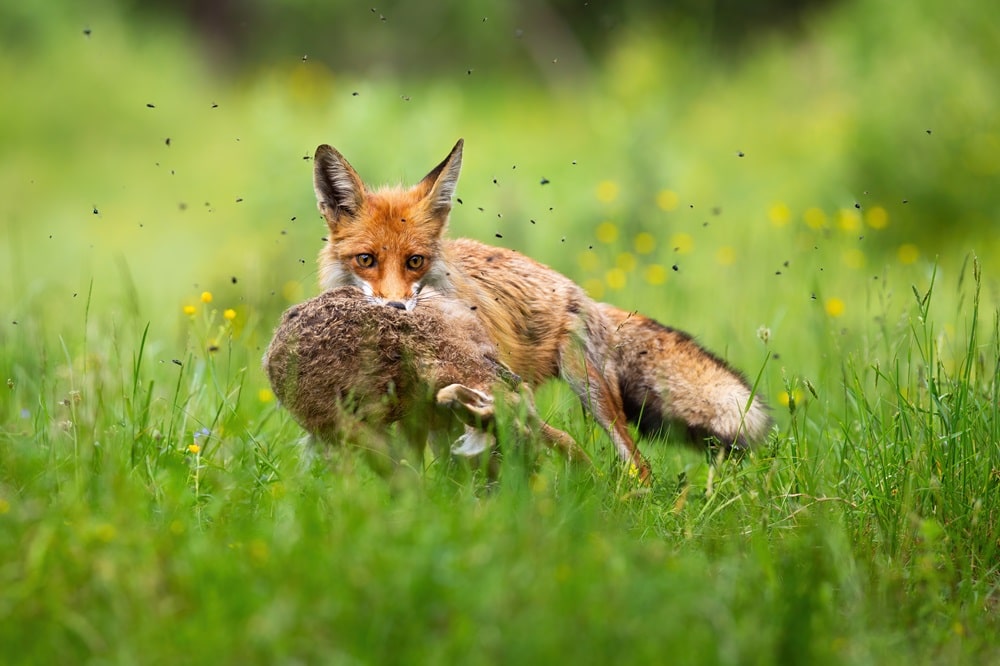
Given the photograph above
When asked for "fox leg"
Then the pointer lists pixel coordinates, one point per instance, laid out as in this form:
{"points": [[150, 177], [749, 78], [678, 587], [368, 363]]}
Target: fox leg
{"points": [[606, 406], [557, 439], [601, 398], [554, 438]]}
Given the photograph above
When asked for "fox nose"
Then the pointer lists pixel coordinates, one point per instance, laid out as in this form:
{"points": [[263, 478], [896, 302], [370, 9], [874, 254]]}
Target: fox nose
{"points": [[399, 305]]}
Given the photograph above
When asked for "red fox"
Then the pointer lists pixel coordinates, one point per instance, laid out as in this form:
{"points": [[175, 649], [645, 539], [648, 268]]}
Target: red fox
{"points": [[389, 242]]}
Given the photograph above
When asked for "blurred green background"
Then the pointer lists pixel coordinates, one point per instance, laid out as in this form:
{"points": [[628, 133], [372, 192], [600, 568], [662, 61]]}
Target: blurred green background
{"points": [[721, 166]]}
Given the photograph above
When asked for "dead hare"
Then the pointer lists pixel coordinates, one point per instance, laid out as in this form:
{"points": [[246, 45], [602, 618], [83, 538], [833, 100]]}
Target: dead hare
{"points": [[353, 371]]}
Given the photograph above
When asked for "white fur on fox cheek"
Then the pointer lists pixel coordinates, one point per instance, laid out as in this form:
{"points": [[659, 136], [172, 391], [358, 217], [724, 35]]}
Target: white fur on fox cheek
{"points": [[436, 277], [334, 274]]}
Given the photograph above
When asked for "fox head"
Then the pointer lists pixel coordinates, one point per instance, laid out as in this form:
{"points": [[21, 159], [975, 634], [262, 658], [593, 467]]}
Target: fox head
{"points": [[385, 241]]}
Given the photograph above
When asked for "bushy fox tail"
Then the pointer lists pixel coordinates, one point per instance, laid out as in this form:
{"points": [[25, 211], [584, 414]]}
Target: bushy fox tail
{"points": [[664, 376]]}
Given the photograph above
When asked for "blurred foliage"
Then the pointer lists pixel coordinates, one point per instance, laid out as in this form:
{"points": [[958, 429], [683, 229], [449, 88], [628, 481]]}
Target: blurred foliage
{"points": [[420, 39], [134, 162]]}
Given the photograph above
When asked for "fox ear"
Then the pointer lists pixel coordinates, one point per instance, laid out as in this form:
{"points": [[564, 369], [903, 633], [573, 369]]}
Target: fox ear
{"points": [[339, 190], [439, 185]]}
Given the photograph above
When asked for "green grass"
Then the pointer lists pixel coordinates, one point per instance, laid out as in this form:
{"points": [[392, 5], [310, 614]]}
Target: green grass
{"points": [[156, 505], [861, 533]]}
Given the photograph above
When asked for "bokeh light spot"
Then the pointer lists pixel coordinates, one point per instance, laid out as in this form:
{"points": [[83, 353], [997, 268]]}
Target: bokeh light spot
{"points": [[877, 217], [667, 200], [908, 253], [616, 279], [607, 191], [655, 274], [588, 261], [682, 243], [854, 258], [815, 218], [644, 242], [594, 288], [607, 232], [626, 261], [779, 214], [725, 255], [848, 220]]}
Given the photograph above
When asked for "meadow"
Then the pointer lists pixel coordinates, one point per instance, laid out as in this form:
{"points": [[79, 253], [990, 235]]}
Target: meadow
{"points": [[819, 214]]}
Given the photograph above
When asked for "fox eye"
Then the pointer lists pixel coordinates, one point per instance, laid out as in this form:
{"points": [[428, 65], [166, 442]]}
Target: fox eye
{"points": [[414, 262], [365, 260]]}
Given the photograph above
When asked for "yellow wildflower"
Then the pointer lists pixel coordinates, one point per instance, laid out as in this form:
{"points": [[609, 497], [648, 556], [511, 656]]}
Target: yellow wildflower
{"points": [[785, 398], [834, 307]]}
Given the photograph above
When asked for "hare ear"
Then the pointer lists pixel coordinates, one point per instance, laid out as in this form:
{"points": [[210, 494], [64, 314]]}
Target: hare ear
{"points": [[339, 190], [438, 187]]}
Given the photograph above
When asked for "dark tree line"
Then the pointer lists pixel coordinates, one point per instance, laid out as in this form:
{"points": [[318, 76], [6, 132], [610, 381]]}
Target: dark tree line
{"points": [[421, 38]]}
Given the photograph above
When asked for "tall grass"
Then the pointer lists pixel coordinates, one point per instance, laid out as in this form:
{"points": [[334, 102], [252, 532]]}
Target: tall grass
{"points": [[153, 511]]}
